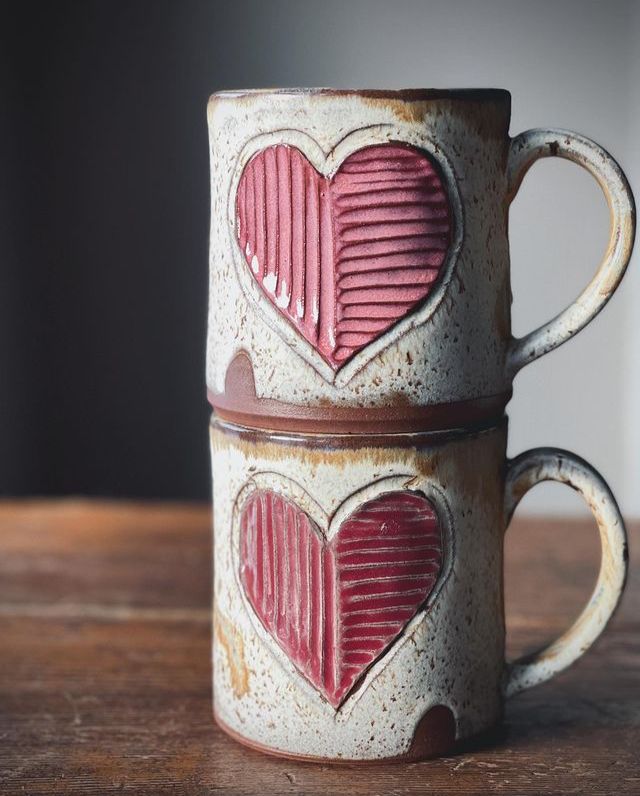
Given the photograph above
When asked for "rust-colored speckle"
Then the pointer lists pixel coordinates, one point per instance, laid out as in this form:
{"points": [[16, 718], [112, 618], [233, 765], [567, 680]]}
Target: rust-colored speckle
{"points": [[490, 118], [231, 641], [405, 111], [627, 230], [397, 398], [253, 447], [426, 466], [346, 452]]}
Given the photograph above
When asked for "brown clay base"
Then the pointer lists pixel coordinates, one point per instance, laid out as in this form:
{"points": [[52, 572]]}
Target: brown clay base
{"points": [[239, 404], [434, 737]]}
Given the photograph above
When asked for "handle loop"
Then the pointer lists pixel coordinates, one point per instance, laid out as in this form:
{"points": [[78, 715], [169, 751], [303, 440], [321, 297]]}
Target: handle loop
{"points": [[553, 464], [525, 149]]}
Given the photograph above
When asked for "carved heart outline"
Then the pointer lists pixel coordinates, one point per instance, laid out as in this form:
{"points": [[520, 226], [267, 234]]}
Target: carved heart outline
{"points": [[327, 162], [328, 523]]}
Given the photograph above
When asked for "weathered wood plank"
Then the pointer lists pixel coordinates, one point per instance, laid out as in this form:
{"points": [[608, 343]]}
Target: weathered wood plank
{"points": [[104, 668]]}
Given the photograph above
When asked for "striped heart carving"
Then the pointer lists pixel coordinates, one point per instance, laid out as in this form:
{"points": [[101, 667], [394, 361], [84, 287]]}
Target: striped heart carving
{"points": [[336, 606], [344, 259]]}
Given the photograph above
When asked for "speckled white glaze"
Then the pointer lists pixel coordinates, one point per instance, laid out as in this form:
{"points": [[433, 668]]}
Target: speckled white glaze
{"points": [[457, 346], [452, 652]]}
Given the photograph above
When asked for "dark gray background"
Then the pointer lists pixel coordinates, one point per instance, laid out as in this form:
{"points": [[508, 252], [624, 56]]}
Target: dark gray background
{"points": [[104, 214]]}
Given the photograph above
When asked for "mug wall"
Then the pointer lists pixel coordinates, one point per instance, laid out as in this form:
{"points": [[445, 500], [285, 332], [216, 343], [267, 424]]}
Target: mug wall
{"points": [[451, 347], [439, 678]]}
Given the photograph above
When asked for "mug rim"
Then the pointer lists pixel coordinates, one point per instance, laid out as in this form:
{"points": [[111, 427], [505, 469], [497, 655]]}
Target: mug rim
{"points": [[327, 441], [395, 94]]}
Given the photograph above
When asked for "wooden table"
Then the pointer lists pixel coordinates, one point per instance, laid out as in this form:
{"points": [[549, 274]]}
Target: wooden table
{"points": [[104, 668]]}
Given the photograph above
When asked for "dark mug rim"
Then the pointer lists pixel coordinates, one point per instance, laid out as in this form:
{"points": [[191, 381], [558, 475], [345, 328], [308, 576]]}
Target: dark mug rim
{"points": [[328, 441], [398, 95]]}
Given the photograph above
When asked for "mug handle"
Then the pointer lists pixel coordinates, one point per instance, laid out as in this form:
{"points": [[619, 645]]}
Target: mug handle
{"points": [[524, 150], [554, 464]]}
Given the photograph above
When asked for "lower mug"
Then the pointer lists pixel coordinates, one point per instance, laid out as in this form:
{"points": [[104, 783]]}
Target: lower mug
{"points": [[358, 587]]}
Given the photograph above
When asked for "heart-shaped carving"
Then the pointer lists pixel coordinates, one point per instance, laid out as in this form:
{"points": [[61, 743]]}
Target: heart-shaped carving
{"points": [[344, 259], [336, 606]]}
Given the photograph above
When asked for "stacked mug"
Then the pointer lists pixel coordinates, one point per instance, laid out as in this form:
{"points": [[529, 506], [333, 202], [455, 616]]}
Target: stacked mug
{"points": [[360, 359]]}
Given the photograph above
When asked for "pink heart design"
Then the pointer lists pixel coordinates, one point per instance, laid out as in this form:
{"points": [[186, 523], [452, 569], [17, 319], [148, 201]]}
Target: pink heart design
{"points": [[336, 606], [344, 259]]}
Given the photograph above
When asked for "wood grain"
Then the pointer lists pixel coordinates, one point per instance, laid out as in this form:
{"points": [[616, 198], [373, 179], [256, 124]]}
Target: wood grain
{"points": [[105, 678]]}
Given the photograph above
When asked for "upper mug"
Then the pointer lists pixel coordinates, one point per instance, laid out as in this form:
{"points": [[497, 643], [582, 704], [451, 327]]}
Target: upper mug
{"points": [[359, 262]]}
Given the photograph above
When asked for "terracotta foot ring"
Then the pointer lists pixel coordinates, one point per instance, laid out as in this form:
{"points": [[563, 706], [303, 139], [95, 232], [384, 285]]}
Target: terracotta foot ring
{"points": [[435, 736]]}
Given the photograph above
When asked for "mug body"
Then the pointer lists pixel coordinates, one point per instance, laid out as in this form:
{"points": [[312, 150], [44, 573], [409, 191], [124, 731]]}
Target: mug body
{"points": [[358, 586], [359, 306], [359, 258]]}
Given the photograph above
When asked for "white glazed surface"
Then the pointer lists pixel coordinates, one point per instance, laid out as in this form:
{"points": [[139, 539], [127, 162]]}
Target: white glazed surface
{"points": [[451, 349], [450, 654], [458, 345]]}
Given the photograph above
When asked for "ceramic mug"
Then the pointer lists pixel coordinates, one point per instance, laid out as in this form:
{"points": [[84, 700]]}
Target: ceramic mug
{"points": [[360, 259], [358, 587]]}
